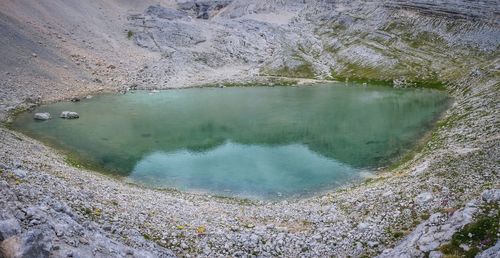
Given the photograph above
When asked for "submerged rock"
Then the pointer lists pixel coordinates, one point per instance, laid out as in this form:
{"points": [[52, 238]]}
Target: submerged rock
{"points": [[42, 116], [69, 115]]}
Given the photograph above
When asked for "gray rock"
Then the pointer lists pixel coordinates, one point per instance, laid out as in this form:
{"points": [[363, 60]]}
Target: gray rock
{"points": [[423, 198], [69, 115], [42, 116], [32, 244], [204, 9], [34, 212], [364, 226], [427, 236], [165, 12], [19, 173], [492, 252], [435, 254], [9, 228], [491, 196]]}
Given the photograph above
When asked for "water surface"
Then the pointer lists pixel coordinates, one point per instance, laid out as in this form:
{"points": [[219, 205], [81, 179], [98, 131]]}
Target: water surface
{"points": [[252, 142]]}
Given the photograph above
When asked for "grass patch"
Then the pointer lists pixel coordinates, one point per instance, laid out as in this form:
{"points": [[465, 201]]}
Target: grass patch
{"points": [[362, 80], [93, 213], [270, 81], [474, 237], [238, 200], [371, 76], [304, 70], [450, 120], [424, 38]]}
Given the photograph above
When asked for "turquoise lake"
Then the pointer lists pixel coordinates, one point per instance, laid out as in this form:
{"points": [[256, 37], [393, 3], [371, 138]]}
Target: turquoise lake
{"points": [[252, 142]]}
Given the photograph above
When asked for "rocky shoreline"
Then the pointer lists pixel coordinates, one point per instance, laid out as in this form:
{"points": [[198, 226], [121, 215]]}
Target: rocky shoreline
{"points": [[54, 208]]}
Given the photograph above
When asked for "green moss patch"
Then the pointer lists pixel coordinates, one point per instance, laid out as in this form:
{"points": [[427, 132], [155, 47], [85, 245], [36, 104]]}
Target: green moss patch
{"points": [[304, 70], [474, 237]]}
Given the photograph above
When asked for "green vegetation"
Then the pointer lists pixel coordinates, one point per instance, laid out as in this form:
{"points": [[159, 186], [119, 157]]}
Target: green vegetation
{"points": [[450, 120], [304, 70], [423, 39], [130, 34], [147, 236], [474, 237], [237, 200], [269, 81], [93, 213], [362, 74]]}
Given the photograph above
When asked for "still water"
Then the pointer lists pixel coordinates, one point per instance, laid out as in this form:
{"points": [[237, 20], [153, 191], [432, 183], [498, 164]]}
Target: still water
{"points": [[255, 142]]}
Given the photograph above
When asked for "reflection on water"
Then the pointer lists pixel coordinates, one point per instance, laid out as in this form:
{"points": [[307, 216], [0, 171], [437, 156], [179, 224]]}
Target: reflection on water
{"points": [[250, 141], [246, 170]]}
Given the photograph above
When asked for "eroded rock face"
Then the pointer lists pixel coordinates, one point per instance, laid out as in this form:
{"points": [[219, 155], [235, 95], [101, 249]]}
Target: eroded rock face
{"points": [[69, 115], [318, 39], [204, 9], [50, 228]]}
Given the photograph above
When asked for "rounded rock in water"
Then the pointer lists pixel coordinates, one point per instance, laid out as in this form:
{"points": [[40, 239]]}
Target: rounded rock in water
{"points": [[42, 116], [69, 115]]}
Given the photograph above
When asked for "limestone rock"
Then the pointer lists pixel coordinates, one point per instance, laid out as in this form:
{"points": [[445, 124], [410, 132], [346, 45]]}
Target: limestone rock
{"points": [[9, 228], [19, 173], [204, 9], [423, 198], [32, 244], [491, 196], [435, 254], [69, 115], [492, 252], [42, 116]]}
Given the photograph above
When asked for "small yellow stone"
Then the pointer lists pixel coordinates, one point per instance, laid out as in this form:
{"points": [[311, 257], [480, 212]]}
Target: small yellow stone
{"points": [[201, 230]]}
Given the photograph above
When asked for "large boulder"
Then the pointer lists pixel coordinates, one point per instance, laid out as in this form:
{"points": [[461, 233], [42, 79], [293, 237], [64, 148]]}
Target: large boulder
{"points": [[32, 244], [491, 196], [69, 115], [9, 228], [42, 116]]}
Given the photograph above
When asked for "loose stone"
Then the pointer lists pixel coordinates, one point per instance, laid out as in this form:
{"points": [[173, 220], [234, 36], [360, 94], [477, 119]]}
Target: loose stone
{"points": [[69, 115]]}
